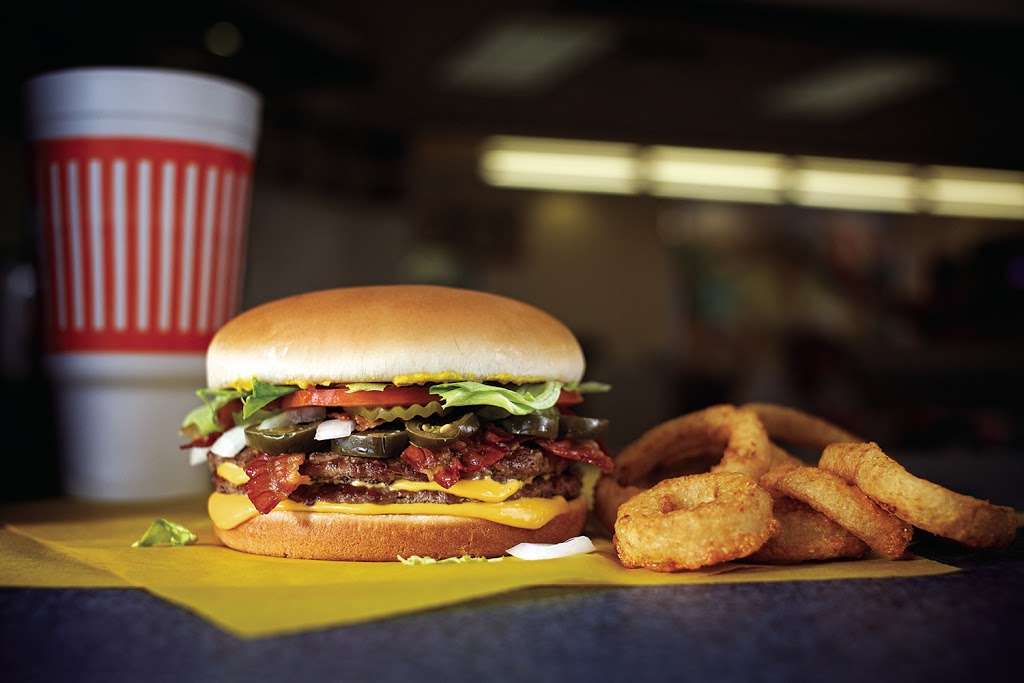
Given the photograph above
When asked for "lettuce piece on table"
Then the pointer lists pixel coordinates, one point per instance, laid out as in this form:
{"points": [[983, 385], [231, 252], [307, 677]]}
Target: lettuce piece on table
{"points": [[165, 532]]}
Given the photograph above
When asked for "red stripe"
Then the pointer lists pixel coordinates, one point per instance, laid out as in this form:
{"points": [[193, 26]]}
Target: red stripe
{"points": [[177, 232], [225, 233], [197, 244], [131, 151], [69, 280], [238, 255], [85, 237]]}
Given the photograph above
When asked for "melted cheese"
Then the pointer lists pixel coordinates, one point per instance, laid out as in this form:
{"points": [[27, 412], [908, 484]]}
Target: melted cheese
{"points": [[228, 510], [486, 490], [452, 376], [245, 384], [232, 473]]}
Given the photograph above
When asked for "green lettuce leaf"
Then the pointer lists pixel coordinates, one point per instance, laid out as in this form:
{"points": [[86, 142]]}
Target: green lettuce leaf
{"points": [[263, 394], [588, 387], [523, 400], [165, 532], [204, 418], [366, 386]]}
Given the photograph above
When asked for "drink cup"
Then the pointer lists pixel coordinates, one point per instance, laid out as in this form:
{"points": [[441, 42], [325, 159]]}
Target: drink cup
{"points": [[141, 182]]}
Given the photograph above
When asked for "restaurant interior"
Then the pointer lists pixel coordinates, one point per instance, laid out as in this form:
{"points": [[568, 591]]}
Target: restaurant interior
{"points": [[817, 204]]}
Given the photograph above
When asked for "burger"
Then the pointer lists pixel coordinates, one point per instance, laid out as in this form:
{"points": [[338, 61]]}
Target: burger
{"points": [[373, 423]]}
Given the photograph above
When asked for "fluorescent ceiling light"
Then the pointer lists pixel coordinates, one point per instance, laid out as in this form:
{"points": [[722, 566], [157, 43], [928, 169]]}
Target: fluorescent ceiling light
{"points": [[723, 175], [525, 55], [560, 165], [715, 174], [975, 192], [854, 184], [854, 88]]}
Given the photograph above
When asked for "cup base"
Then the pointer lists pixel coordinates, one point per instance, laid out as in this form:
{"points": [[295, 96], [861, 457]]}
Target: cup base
{"points": [[118, 417]]}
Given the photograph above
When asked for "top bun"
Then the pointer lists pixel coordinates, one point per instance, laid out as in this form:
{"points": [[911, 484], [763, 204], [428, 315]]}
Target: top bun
{"points": [[406, 334]]}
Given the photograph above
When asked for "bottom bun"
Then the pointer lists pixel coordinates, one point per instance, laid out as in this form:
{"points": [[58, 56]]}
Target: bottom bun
{"points": [[382, 538]]}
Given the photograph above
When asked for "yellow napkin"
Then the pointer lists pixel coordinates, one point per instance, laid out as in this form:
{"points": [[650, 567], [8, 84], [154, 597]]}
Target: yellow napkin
{"points": [[76, 544]]}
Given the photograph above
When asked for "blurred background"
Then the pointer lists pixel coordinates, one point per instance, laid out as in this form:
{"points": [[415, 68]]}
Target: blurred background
{"points": [[815, 203]]}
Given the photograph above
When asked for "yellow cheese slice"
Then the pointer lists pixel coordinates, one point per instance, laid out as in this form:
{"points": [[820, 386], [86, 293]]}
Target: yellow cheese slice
{"points": [[228, 510], [232, 473], [486, 490]]}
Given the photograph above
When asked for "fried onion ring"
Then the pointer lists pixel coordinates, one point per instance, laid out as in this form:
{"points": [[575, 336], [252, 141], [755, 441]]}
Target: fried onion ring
{"points": [[805, 534], [798, 428], [609, 495], [973, 522], [738, 432], [693, 522], [844, 504]]}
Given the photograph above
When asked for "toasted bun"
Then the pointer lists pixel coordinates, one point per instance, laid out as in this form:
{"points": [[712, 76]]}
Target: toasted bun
{"points": [[413, 334], [382, 538]]}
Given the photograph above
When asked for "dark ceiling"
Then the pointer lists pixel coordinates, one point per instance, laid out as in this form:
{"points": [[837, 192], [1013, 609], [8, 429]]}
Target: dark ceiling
{"points": [[366, 78]]}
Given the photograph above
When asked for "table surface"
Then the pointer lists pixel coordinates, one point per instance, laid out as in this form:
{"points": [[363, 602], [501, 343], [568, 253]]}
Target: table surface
{"points": [[959, 626]]}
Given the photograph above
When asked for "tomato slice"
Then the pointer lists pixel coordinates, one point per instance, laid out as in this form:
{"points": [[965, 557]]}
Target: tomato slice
{"points": [[390, 396]]}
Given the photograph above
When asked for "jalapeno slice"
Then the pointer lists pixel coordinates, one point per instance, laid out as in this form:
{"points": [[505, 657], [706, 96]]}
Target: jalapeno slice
{"points": [[439, 435], [542, 425], [575, 427], [278, 440], [377, 443]]}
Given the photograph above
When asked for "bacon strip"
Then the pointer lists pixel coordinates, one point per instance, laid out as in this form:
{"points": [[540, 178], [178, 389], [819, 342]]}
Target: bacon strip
{"points": [[587, 451], [272, 479]]}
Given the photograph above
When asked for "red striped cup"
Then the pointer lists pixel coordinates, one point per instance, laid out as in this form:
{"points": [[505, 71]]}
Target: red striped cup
{"points": [[142, 236], [142, 180]]}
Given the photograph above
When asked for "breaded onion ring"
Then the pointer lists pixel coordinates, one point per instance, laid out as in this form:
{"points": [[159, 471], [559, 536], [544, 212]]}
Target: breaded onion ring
{"points": [[738, 432], [693, 522], [608, 496], [971, 521], [844, 504], [798, 428], [805, 534]]}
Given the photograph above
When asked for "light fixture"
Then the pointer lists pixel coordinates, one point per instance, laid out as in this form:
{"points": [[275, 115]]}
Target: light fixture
{"points": [[715, 174], [853, 88], [853, 184], [550, 164], [975, 192], [737, 176], [525, 54]]}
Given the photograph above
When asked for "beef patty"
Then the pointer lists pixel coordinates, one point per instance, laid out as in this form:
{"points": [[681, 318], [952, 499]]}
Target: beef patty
{"points": [[331, 476], [567, 485]]}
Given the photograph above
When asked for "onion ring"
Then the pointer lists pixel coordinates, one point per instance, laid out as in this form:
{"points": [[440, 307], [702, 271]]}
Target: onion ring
{"points": [[844, 504], [805, 534], [973, 522], [609, 495], [693, 522], [798, 428], [738, 432]]}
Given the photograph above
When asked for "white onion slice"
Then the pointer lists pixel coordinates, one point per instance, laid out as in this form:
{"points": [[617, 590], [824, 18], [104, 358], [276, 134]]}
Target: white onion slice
{"points": [[333, 429], [294, 416], [197, 455], [230, 443], [550, 551]]}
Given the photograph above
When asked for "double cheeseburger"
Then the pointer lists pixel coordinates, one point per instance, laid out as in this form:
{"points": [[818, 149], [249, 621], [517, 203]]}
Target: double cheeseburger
{"points": [[376, 422]]}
